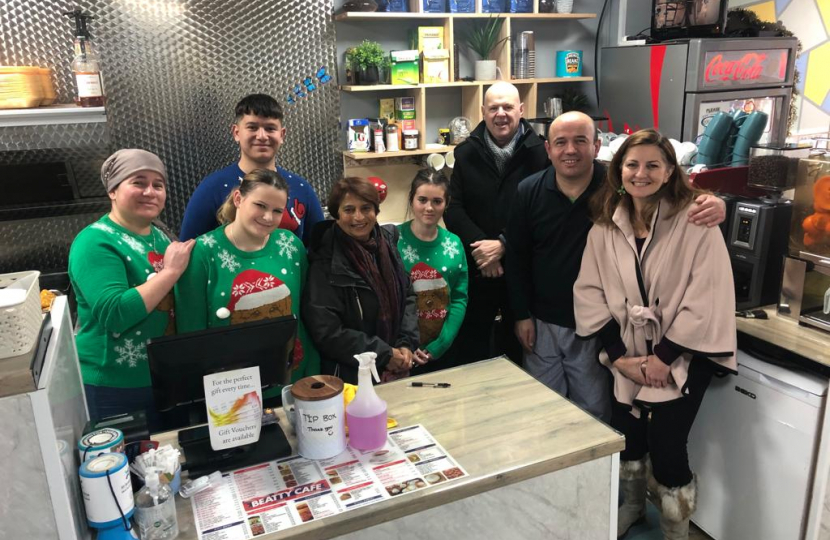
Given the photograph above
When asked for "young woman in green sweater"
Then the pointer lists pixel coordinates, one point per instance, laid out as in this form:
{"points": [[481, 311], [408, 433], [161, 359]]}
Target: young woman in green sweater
{"points": [[122, 269], [247, 270], [437, 266]]}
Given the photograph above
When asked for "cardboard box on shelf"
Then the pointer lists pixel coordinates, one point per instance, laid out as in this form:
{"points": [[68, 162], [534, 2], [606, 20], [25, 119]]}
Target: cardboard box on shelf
{"points": [[387, 108], [405, 108], [404, 67], [436, 66], [430, 38]]}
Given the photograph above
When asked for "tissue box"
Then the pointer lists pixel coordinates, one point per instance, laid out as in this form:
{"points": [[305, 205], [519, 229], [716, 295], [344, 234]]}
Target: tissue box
{"points": [[430, 38], [405, 108], [404, 67], [436, 66]]}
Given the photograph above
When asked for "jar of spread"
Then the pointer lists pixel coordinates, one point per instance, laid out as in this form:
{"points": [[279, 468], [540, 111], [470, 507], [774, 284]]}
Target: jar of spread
{"points": [[410, 139]]}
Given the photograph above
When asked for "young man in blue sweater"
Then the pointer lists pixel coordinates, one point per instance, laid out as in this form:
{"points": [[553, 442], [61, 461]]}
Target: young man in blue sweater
{"points": [[259, 131]]}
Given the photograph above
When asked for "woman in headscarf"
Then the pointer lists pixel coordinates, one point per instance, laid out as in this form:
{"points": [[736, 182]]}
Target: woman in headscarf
{"points": [[658, 292], [358, 297], [123, 268]]}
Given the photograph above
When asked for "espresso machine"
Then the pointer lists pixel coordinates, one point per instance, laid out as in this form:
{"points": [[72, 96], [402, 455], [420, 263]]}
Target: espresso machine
{"points": [[805, 289], [757, 243], [755, 231]]}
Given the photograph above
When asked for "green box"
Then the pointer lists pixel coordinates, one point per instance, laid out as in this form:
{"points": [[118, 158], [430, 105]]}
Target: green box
{"points": [[405, 68], [405, 108]]}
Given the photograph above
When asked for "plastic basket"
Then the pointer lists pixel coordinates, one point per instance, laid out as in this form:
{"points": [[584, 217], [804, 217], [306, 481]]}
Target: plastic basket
{"points": [[20, 323]]}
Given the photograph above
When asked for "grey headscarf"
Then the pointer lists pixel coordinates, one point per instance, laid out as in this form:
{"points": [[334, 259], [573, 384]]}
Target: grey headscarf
{"points": [[125, 163]]}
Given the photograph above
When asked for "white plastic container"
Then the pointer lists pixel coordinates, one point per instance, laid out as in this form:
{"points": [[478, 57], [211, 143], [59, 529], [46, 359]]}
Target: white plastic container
{"points": [[20, 314]]}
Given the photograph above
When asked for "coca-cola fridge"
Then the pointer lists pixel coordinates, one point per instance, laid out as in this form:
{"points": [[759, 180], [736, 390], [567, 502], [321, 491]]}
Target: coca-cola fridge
{"points": [[679, 86]]}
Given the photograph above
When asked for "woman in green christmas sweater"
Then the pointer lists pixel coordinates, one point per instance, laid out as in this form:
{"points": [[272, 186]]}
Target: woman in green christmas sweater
{"points": [[247, 270], [122, 269], [437, 266]]}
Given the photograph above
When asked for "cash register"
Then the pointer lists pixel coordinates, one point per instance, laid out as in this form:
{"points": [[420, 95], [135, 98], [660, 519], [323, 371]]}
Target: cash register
{"points": [[177, 367]]}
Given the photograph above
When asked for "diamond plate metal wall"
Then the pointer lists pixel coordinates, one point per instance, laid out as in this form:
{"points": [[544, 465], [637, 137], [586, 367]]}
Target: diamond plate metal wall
{"points": [[173, 70]]}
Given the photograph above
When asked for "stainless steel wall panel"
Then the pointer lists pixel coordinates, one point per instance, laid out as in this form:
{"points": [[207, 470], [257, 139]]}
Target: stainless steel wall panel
{"points": [[173, 71]]}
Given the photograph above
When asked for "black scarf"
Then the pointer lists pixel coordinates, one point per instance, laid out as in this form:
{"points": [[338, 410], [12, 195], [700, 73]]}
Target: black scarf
{"points": [[375, 260]]}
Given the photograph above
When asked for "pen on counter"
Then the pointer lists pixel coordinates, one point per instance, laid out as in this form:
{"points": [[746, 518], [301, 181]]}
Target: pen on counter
{"points": [[430, 384]]}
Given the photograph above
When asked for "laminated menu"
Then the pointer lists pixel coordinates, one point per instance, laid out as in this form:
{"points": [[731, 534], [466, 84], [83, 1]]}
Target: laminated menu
{"points": [[277, 495]]}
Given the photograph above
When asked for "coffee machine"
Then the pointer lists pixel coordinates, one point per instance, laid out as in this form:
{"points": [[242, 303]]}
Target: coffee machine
{"points": [[757, 242]]}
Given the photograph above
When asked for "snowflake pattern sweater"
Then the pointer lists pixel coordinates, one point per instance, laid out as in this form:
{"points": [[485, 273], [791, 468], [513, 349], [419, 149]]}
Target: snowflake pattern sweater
{"points": [[438, 271], [106, 263], [224, 285]]}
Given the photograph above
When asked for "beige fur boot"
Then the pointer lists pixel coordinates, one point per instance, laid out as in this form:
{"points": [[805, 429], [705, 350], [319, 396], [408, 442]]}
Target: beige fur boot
{"points": [[676, 506], [633, 490]]}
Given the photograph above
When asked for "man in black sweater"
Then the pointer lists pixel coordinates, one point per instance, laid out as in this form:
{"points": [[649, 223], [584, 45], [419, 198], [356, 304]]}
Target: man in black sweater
{"points": [[546, 235], [500, 152]]}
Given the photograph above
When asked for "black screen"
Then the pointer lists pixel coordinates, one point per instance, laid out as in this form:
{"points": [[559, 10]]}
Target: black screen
{"points": [[178, 363]]}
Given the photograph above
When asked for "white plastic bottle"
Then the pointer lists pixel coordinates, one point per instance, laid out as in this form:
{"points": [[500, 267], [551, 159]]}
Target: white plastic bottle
{"points": [[155, 510], [366, 414]]}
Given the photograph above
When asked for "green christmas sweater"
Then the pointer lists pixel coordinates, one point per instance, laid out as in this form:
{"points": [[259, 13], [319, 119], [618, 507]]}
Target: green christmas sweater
{"points": [[438, 271], [106, 263], [224, 285]]}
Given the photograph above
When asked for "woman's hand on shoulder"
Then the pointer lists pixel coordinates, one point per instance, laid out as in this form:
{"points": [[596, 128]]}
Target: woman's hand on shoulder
{"points": [[177, 256], [630, 367]]}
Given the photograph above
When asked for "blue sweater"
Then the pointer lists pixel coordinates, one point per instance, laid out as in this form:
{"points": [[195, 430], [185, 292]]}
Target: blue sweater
{"points": [[302, 212]]}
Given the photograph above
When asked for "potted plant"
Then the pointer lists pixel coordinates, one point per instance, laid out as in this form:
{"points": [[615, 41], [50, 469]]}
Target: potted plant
{"points": [[482, 37], [366, 59]]}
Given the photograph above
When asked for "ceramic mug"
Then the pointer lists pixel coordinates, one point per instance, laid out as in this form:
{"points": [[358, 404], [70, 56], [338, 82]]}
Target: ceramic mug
{"points": [[486, 70], [449, 159], [436, 162]]}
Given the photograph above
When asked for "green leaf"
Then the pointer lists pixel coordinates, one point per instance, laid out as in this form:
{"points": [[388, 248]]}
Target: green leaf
{"points": [[482, 37]]}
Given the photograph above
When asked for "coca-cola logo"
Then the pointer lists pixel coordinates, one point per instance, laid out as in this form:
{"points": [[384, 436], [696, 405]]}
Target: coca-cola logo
{"points": [[749, 67]]}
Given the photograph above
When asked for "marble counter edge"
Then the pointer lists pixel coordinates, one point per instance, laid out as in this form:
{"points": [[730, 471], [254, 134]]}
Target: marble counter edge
{"points": [[432, 497]]}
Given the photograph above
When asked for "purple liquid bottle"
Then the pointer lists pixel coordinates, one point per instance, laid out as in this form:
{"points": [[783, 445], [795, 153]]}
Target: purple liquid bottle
{"points": [[366, 414], [367, 433]]}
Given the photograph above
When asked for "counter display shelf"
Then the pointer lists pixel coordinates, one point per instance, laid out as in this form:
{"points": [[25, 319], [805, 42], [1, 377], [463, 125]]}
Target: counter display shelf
{"points": [[539, 467], [52, 115]]}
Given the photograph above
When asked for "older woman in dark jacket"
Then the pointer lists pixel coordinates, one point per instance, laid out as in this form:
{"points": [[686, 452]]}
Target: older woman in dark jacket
{"points": [[357, 296]]}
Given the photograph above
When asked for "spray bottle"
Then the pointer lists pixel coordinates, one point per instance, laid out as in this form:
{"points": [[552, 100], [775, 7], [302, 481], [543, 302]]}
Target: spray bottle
{"points": [[155, 509], [366, 414], [85, 64]]}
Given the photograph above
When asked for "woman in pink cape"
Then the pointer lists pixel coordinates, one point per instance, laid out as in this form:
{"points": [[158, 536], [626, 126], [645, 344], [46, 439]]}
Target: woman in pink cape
{"points": [[659, 294]]}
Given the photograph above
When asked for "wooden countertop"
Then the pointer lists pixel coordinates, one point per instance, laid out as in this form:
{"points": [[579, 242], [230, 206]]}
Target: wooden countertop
{"points": [[497, 421], [807, 342]]}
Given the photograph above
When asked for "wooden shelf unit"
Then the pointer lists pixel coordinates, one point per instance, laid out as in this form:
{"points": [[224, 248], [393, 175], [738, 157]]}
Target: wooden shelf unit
{"points": [[472, 92], [435, 149], [375, 16]]}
